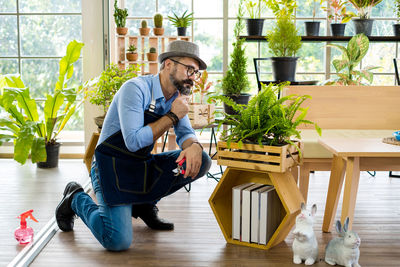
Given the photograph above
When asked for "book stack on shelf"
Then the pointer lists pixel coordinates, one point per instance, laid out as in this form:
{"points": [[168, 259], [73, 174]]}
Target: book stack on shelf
{"points": [[256, 212]]}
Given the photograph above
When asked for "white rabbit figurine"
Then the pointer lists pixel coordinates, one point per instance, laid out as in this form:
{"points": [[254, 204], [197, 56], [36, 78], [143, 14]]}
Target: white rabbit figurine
{"points": [[343, 250], [305, 245]]}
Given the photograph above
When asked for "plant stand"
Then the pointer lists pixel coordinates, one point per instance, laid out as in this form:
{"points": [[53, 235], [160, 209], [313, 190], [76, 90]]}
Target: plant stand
{"points": [[284, 183]]}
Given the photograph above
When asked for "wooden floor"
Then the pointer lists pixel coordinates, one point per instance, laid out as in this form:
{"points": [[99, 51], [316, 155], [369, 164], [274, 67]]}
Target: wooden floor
{"points": [[198, 241]]}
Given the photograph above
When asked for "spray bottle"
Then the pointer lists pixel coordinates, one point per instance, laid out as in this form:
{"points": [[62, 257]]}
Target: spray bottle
{"points": [[24, 234]]}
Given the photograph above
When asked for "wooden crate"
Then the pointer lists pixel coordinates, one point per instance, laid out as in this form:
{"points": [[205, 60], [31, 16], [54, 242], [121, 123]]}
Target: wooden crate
{"points": [[254, 157], [201, 114]]}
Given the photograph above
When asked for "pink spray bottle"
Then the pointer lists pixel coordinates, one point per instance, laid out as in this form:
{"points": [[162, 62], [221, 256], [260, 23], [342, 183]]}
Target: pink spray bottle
{"points": [[24, 234]]}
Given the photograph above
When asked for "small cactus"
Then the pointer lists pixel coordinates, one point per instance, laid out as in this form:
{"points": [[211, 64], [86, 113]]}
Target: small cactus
{"points": [[158, 20], [132, 49], [152, 50], [144, 23]]}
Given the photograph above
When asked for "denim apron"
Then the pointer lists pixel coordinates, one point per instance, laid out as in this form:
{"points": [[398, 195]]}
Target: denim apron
{"points": [[131, 177]]}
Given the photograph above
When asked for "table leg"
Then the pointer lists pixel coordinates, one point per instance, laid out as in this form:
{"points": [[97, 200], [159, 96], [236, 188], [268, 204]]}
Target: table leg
{"points": [[335, 186], [350, 189]]}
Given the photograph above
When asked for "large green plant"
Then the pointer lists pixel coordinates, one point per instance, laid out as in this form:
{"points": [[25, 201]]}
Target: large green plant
{"points": [[108, 83], [120, 15], [352, 55], [30, 126], [236, 81], [183, 21], [284, 39], [281, 7], [364, 7], [266, 120]]}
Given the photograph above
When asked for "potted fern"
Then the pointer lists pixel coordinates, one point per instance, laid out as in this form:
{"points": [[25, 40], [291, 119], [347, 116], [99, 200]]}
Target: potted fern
{"points": [[364, 23], [158, 24], [182, 22], [254, 22], [396, 26], [144, 30], [120, 19], [131, 53]]}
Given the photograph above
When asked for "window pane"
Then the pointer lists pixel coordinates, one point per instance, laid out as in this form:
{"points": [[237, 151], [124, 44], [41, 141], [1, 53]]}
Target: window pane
{"points": [[209, 38], [8, 66], [50, 6], [8, 6], [49, 35], [383, 28], [384, 80], [310, 77], [178, 6], [384, 9], [311, 57], [41, 75], [8, 36], [203, 8], [139, 8], [307, 7]]}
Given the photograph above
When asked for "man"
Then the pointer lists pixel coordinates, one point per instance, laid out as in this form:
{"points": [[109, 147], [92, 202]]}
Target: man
{"points": [[128, 180]]}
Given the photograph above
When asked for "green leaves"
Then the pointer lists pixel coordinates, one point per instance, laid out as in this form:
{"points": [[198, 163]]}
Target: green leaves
{"points": [[183, 21], [66, 63]]}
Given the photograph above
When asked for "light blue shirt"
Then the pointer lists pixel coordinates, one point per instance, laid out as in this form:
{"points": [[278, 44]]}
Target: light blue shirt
{"points": [[126, 113]]}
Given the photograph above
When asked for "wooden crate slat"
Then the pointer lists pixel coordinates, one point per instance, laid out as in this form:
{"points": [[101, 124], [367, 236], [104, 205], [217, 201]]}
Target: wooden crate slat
{"points": [[249, 165], [255, 147], [249, 156]]}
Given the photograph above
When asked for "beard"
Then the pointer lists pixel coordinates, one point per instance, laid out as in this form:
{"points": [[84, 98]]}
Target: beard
{"points": [[183, 86]]}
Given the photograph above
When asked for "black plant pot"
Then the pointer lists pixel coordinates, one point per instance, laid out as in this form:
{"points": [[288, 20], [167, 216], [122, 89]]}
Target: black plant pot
{"points": [[338, 29], [239, 99], [396, 29], [284, 68], [181, 31], [52, 156], [363, 26], [255, 26], [312, 28]]}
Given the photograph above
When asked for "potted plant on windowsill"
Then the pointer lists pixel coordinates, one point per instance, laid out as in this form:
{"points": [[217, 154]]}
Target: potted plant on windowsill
{"points": [[364, 24], [181, 23], [152, 55], [352, 55], [235, 83], [158, 24], [339, 15], [254, 23], [120, 19], [33, 129], [144, 30], [312, 27], [396, 26], [106, 85], [131, 53]]}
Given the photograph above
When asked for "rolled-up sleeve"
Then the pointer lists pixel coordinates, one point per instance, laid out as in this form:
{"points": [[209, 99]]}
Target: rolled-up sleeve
{"points": [[131, 113], [183, 131]]}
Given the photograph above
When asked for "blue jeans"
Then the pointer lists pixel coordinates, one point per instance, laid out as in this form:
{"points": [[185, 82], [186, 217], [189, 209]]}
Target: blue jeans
{"points": [[112, 225]]}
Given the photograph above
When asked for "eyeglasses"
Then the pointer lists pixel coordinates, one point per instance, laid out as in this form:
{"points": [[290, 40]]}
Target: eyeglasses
{"points": [[189, 70]]}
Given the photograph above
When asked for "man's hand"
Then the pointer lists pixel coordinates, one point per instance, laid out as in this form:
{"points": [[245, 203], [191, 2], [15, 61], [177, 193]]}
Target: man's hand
{"points": [[193, 155], [180, 106]]}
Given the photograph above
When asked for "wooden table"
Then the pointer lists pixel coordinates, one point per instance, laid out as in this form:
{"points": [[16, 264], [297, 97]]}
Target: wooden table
{"points": [[351, 156]]}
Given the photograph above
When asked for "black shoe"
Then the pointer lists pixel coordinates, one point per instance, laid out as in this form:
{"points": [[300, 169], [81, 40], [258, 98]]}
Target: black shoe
{"points": [[65, 216], [149, 214]]}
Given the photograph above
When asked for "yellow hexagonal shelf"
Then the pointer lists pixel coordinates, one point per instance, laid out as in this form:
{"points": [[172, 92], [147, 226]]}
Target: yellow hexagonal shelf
{"points": [[285, 185]]}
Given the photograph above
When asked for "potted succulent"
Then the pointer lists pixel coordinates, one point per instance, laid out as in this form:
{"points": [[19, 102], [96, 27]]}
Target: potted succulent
{"points": [[352, 55], [235, 83], [158, 24], [339, 15], [131, 53], [396, 26], [254, 23], [182, 22], [152, 55], [106, 85], [120, 19], [144, 30], [35, 129], [364, 24], [312, 27]]}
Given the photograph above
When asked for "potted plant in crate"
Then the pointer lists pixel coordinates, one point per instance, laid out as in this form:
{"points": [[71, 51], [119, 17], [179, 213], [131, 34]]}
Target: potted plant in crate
{"points": [[254, 23], [144, 30], [131, 53], [181, 23], [201, 113], [158, 24], [352, 55], [396, 26], [120, 19], [364, 24], [339, 15], [235, 83], [107, 85], [266, 121], [152, 55], [35, 130], [312, 27]]}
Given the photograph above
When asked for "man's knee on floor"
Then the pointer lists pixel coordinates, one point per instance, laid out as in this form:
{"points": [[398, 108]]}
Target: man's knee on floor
{"points": [[205, 164], [118, 242]]}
